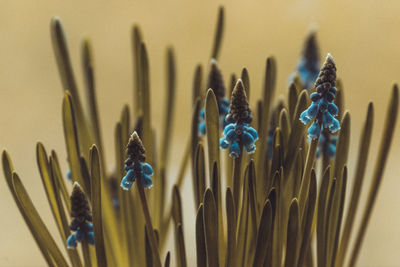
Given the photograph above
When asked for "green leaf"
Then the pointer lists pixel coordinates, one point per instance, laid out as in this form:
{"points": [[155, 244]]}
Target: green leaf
{"points": [[363, 151], [72, 143], [167, 259], [321, 219], [177, 206], [137, 91], [169, 108], [338, 220], [201, 251], [194, 156], [308, 219], [231, 228], [263, 235], [292, 101], [212, 128], [211, 228], [68, 81], [8, 170], [88, 75], [387, 136], [342, 147], [268, 95], [61, 181], [293, 235], [180, 247], [218, 34], [95, 173], [147, 135], [197, 83], [35, 222], [296, 133]]}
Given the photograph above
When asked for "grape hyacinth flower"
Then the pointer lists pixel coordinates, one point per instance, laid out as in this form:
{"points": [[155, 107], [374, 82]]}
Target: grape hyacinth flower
{"points": [[309, 63], [135, 165], [327, 144], [216, 83], [238, 133], [82, 222], [322, 109]]}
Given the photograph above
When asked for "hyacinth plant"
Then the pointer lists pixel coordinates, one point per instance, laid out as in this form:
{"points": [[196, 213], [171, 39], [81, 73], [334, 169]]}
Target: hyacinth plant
{"points": [[251, 209]]}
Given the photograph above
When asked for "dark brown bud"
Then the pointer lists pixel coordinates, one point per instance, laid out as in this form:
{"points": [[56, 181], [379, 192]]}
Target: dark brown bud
{"points": [[80, 208], [135, 150], [216, 82], [239, 107], [327, 75], [311, 51]]}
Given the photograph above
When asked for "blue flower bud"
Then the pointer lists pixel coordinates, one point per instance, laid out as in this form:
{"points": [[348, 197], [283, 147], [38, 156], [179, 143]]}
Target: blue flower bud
{"points": [[223, 143], [247, 139], [314, 131], [71, 241], [234, 150], [147, 169]]}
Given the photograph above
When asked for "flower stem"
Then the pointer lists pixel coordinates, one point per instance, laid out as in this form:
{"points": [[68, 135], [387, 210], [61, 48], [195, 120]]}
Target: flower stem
{"points": [[237, 172], [149, 225], [305, 181], [86, 253]]}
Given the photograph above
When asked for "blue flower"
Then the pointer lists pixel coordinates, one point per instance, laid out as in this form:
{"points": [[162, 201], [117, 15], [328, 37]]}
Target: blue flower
{"points": [[69, 176], [309, 64], [83, 230], [236, 134], [322, 110], [145, 170], [327, 144], [81, 224]]}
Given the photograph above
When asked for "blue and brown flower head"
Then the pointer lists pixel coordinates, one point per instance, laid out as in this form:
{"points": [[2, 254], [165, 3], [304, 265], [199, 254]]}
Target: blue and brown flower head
{"points": [[216, 83], [238, 132], [82, 218], [322, 109], [309, 63], [135, 164]]}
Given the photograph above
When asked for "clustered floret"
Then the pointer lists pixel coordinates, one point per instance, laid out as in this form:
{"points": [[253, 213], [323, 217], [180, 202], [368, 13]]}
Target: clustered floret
{"points": [[82, 222], [135, 165], [238, 132], [322, 107]]}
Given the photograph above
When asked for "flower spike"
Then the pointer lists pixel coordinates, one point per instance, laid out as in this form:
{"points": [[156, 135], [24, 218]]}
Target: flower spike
{"points": [[81, 224], [135, 165], [237, 132], [216, 83], [309, 63], [322, 110]]}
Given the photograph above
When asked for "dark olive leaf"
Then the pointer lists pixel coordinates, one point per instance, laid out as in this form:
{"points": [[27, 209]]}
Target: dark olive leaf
{"points": [[387, 136], [211, 228], [201, 252], [264, 233], [219, 32], [231, 228], [72, 143], [365, 141], [293, 234], [95, 173], [35, 222], [180, 247]]}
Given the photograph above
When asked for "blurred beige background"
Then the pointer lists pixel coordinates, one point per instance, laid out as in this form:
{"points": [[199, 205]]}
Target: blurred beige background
{"points": [[362, 35]]}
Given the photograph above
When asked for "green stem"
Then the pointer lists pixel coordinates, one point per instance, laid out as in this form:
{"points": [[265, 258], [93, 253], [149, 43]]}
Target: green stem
{"points": [[149, 225], [237, 172], [86, 253], [305, 181]]}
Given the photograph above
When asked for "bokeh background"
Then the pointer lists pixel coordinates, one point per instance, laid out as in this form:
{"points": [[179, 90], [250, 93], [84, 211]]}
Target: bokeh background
{"points": [[362, 36]]}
